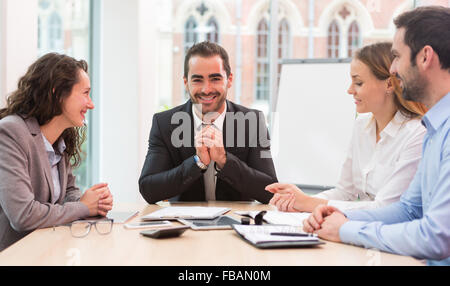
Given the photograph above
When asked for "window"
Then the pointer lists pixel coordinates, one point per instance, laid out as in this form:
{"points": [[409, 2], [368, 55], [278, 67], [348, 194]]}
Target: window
{"points": [[213, 33], [262, 61], [333, 40], [283, 44], [353, 38], [190, 33], [262, 68], [55, 33]]}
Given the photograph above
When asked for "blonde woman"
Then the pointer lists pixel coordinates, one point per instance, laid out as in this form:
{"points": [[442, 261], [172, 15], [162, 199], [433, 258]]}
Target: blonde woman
{"points": [[385, 147]]}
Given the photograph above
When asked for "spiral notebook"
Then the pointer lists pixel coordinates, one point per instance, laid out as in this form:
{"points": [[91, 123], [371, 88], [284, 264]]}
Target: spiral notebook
{"points": [[276, 236]]}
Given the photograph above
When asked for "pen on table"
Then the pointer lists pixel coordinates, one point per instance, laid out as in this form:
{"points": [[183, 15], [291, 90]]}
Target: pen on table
{"points": [[292, 234]]}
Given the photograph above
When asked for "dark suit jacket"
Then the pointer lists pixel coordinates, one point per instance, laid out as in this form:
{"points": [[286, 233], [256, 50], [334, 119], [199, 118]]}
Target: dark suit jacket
{"points": [[171, 173]]}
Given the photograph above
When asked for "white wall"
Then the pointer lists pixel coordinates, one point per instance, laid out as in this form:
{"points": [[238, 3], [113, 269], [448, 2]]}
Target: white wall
{"points": [[155, 64], [18, 42], [133, 45], [119, 99]]}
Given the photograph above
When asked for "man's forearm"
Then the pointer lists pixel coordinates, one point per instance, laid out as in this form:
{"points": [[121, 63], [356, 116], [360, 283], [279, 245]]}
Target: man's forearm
{"points": [[167, 184], [393, 213]]}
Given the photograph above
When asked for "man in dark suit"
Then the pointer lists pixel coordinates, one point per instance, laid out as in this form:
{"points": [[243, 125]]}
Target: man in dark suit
{"points": [[187, 159]]}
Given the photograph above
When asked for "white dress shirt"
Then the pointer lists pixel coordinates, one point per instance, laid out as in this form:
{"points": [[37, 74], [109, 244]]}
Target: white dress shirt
{"points": [[210, 174], [375, 174]]}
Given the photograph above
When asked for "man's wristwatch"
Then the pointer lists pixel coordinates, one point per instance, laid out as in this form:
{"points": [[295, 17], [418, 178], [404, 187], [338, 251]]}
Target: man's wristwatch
{"points": [[200, 163]]}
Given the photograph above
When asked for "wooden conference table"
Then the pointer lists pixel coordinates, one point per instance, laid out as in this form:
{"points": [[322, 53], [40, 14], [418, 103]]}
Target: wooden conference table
{"points": [[217, 248]]}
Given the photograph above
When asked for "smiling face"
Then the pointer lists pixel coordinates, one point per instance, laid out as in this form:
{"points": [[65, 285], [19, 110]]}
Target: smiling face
{"points": [[413, 84], [78, 102], [368, 91], [207, 83]]}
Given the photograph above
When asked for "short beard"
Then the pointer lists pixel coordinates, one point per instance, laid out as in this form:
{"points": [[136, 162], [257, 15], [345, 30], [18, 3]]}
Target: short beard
{"points": [[221, 101], [415, 88]]}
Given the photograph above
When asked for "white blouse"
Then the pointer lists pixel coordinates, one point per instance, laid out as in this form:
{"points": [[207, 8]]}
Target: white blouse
{"points": [[376, 174]]}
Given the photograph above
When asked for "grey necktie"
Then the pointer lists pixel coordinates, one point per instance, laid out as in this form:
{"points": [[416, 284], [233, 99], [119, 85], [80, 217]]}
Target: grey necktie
{"points": [[209, 178]]}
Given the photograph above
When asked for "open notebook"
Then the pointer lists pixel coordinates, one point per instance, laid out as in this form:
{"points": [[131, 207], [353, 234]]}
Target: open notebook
{"points": [[263, 236]]}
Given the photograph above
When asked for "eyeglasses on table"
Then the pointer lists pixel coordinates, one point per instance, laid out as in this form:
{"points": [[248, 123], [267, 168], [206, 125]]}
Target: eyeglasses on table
{"points": [[81, 228]]}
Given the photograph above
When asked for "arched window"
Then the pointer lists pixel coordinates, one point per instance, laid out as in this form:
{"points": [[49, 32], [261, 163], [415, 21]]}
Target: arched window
{"points": [[190, 33], [55, 33], [213, 33], [283, 43], [262, 61], [333, 40], [353, 38]]}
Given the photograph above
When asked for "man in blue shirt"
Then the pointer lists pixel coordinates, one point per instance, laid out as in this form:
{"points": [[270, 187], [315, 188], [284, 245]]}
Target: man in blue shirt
{"points": [[419, 224]]}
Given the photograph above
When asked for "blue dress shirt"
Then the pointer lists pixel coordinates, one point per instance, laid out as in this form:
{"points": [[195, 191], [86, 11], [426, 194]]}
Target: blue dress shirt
{"points": [[53, 159], [419, 224]]}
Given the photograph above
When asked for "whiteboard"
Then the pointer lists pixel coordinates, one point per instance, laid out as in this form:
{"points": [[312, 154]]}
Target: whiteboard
{"points": [[313, 121]]}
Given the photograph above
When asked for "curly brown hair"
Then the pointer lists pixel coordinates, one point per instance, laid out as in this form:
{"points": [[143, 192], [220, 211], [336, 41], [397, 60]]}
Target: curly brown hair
{"points": [[41, 92]]}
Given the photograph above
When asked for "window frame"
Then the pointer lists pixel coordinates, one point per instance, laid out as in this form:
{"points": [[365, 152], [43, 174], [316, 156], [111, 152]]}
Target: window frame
{"points": [[333, 48], [262, 61], [213, 34], [352, 37]]}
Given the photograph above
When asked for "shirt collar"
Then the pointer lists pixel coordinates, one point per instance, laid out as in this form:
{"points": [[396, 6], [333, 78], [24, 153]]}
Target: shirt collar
{"points": [[49, 148], [438, 114], [218, 123], [393, 126]]}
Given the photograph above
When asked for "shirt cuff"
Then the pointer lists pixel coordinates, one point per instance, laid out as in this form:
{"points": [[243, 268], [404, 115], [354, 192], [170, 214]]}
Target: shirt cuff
{"points": [[349, 232], [348, 214]]}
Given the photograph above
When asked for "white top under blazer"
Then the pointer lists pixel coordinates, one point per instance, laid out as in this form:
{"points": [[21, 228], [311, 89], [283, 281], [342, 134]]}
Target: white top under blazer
{"points": [[376, 174]]}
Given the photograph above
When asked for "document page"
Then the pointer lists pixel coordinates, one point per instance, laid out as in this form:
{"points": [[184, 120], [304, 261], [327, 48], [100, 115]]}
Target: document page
{"points": [[186, 213]]}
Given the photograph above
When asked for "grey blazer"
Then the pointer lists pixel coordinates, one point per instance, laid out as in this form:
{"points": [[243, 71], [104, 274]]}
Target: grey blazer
{"points": [[26, 185]]}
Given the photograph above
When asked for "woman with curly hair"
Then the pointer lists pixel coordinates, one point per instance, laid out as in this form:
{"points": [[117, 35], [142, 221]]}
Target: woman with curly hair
{"points": [[41, 133]]}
